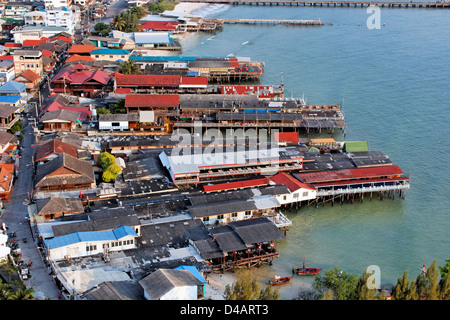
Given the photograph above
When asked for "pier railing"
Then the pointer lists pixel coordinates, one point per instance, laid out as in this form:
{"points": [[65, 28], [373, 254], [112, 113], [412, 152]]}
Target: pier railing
{"points": [[328, 3], [340, 191]]}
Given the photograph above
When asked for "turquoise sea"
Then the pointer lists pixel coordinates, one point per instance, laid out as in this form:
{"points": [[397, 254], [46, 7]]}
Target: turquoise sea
{"points": [[394, 84]]}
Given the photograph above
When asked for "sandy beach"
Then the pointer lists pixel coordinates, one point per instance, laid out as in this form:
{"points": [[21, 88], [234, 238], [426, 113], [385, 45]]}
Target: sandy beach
{"points": [[184, 38]]}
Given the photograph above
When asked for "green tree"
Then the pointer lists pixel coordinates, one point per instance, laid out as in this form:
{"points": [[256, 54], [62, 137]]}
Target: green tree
{"points": [[362, 290], [115, 169], [21, 294], [129, 67], [413, 294], [102, 28], [102, 111], [427, 283], [340, 282], [445, 270], [269, 293], [401, 289], [118, 107], [16, 127], [106, 160], [245, 288], [140, 12], [445, 288], [119, 23], [108, 176]]}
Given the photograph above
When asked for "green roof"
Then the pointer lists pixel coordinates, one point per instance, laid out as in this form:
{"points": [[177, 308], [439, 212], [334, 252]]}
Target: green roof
{"points": [[356, 146]]}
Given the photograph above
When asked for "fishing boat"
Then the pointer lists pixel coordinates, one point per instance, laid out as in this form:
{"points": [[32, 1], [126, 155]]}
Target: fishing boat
{"points": [[279, 281], [306, 271]]}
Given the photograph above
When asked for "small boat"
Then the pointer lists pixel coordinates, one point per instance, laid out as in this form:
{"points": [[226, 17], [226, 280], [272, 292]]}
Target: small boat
{"points": [[279, 281], [306, 271]]}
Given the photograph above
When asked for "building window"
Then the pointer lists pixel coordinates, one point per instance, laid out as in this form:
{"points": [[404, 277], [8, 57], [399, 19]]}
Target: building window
{"points": [[234, 215], [305, 194], [220, 216], [205, 219], [91, 248], [295, 195]]}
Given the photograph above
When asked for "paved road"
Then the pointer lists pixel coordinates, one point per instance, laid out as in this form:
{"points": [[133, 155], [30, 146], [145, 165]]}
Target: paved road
{"points": [[14, 216]]}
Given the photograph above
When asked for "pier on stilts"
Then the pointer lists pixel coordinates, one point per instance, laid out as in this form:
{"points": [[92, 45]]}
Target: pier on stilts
{"points": [[328, 3], [272, 22]]}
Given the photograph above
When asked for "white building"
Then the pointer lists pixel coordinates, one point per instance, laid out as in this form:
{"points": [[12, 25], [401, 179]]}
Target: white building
{"points": [[82, 244], [61, 17], [4, 249], [34, 18], [299, 191], [52, 4], [116, 121], [35, 32], [172, 284]]}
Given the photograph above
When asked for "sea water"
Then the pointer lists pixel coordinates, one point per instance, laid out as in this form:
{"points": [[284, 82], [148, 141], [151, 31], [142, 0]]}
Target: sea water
{"points": [[393, 83]]}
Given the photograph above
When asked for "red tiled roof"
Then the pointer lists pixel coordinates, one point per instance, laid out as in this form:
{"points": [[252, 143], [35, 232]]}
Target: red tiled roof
{"points": [[34, 43], [54, 106], [77, 57], [286, 136], [10, 57], [6, 174], [351, 174], [55, 147], [71, 76], [158, 25], [194, 81], [81, 48], [236, 185], [152, 100], [65, 39], [13, 45], [150, 80], [289, 181], [46, 53], [30, 75]]}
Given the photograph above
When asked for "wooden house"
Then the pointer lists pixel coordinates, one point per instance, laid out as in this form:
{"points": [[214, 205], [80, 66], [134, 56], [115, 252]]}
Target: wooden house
{"points": [[60, 120], [63, 173]]}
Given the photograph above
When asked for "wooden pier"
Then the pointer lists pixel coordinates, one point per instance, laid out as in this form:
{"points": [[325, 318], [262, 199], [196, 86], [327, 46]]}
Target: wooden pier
{"points": [[328, 3], [273, 22]]}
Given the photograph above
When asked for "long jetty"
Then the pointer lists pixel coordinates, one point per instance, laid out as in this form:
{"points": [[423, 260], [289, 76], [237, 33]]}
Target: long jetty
{"points": [[270, 21], [328, 3]]}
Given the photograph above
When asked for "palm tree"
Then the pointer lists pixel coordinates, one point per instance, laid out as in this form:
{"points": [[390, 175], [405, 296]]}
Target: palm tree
{"points": [[139, 11], [21, 294], [118, 23]]}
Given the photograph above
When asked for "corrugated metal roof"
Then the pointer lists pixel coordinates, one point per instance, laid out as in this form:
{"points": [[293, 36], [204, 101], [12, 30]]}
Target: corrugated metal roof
{"points": [[236, 185], [107, 235], [350, 174], [289, 181], [151, 101], [152, 80]]}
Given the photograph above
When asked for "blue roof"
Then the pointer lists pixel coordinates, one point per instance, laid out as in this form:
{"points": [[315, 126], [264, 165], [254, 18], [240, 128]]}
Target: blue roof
{"points": [[13, 87], [110, 51], [85, 236], [124, 231], [9, 99], [192, 270], [168, 58]]}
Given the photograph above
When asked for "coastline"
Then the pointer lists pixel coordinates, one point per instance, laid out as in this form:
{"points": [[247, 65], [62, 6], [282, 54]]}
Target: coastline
{"points": [[184, 38]]}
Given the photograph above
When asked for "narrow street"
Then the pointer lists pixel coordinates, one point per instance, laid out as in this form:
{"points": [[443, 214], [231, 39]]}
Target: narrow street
{"points": [[15, 218]]}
